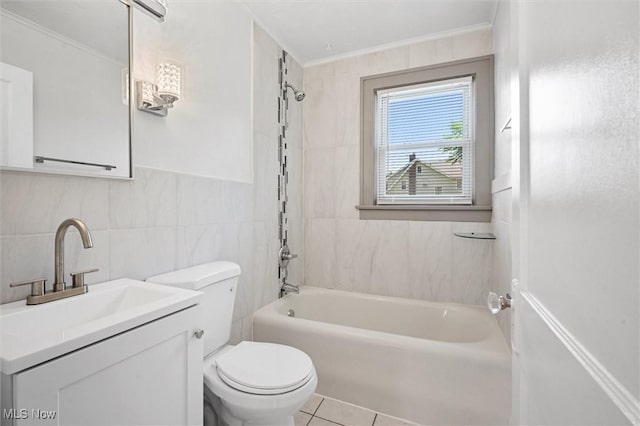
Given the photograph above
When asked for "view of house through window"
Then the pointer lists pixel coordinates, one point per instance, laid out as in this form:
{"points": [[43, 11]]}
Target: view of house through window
{"points": [[424, 143]]}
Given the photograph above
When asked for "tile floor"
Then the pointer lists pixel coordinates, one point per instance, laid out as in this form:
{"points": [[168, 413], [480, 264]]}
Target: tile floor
{"points": [[323, 411]]}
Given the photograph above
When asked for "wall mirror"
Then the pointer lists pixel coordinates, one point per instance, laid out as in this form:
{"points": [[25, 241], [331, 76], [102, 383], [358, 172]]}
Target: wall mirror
{"points": [[65, 87]]}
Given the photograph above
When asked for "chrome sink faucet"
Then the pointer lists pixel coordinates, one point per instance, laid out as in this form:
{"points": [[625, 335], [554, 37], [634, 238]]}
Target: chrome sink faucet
{"points": [[39, 292]]}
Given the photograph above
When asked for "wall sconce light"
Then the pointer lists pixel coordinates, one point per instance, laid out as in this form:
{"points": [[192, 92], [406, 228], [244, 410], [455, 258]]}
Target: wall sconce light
{"points": [[158, 98]]}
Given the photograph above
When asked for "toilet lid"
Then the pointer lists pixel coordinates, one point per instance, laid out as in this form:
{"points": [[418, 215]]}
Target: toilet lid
{"points": [[264, 368]]}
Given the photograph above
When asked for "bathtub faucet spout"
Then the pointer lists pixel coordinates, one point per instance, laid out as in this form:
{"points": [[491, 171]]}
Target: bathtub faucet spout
{"points": [[288, 288]]}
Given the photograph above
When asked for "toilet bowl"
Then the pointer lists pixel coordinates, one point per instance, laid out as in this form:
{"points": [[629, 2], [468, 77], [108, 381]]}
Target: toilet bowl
{"points": [[241, 395], [252, 383]]}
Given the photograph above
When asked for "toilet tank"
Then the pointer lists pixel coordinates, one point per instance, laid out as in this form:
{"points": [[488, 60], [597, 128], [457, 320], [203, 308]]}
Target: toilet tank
{"points": [[218, 281]]}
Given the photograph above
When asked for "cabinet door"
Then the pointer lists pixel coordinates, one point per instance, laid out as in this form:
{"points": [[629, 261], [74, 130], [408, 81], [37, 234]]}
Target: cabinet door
{"points": [[151, 375]]}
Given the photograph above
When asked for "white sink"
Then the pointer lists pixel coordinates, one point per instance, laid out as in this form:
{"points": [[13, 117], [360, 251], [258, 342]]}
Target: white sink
{"points": [[30, 335]]}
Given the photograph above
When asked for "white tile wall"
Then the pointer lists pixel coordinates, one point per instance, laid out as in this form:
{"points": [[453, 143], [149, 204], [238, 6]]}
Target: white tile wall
{"points": [[136, 229], [319, 173], [245, 294], [36, 204], [320, 252], [195, 243], [430, 251], [409, 259], [346, 181], [421, 260], [198, 200], [501, 279], [501, 218], [295, 164], [266, 161], [150, 202]]}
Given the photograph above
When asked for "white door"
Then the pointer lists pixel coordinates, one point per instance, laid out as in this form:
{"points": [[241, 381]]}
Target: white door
{"points": [[576, 327], [151, 375]]}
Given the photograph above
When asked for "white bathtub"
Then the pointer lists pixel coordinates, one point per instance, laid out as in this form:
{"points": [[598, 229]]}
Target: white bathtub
{"points": [[432, 363]]}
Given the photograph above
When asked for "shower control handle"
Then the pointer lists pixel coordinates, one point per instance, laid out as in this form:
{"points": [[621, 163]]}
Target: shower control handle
{"points": [[285, 255]]}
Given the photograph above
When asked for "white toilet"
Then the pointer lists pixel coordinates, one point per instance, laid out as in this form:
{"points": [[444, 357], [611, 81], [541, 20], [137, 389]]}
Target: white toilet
{"points": [[251, 383]]}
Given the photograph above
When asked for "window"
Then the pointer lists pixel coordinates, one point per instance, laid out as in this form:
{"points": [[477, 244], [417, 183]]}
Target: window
{"points": [[427, 143], [425, 125]]}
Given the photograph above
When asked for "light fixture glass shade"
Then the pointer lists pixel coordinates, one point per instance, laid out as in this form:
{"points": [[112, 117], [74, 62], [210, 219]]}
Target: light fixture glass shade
{"points": [[169, 81], [146, 92]]}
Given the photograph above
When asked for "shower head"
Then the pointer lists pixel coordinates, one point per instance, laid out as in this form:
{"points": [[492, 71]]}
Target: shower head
{"points": [[299, 94]]}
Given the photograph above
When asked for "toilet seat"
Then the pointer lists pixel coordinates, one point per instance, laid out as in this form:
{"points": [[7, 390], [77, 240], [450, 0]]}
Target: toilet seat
{"points": [[263, 368], [257, 391]]}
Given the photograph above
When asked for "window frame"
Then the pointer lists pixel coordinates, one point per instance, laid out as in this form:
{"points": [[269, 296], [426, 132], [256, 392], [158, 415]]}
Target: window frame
{"points": [[481, 68]]}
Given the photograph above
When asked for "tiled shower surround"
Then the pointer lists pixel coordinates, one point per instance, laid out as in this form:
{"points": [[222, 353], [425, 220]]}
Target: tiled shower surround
{"points": [[164, 220], [421, 260]]}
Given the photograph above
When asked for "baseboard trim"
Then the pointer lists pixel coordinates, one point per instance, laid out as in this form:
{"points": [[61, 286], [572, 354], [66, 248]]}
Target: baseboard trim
{"points": [[618, 394]]}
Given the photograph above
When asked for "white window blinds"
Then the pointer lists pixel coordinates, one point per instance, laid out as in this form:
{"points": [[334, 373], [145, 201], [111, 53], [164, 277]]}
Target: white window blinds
{"points": [[424, 143]]}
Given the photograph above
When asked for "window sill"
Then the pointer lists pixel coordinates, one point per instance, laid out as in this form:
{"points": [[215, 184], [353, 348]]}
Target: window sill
{"points": [[426, 213]]}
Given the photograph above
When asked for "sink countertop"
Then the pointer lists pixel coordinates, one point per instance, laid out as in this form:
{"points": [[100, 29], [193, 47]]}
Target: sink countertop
{"points": [[30, 335]]}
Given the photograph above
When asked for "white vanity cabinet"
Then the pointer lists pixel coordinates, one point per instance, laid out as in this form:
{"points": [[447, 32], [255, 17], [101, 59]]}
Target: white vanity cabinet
{"points": [[148, 375]]}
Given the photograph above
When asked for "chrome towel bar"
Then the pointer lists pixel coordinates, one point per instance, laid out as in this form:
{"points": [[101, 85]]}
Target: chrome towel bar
{"points": [[41, 160]]}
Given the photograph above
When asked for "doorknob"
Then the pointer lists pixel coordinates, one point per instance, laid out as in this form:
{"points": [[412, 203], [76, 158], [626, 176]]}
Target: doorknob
{"points": [[497, 303]]}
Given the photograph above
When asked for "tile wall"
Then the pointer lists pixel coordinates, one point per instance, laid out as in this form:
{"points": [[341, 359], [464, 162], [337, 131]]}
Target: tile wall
{"points": [[159, 222], [409, 259], [266, 163], [501, 218]]}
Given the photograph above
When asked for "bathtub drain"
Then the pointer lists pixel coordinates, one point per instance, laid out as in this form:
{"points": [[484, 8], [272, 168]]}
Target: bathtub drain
{"points": [[291, 313]]}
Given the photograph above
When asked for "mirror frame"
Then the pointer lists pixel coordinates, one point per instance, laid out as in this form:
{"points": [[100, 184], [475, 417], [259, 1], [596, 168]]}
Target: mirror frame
{"points": [[131, 88], [131, 105]]}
